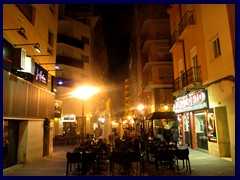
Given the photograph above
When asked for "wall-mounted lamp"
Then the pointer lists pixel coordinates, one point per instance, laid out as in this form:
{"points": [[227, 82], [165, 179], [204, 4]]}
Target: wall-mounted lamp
{"points": [[37, 55], [56, 65], [20, 31], [35, 45], [56, 70]]}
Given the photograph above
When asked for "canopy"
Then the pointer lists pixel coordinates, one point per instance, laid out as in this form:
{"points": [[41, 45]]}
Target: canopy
{"points": [[161, 115]]}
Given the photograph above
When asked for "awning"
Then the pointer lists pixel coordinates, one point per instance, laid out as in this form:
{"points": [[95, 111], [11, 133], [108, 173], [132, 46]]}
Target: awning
{"points": [[161, 115]]}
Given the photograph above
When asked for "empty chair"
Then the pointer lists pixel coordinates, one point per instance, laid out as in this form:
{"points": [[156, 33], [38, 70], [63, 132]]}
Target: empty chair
{"points": [[73, 163], [116, 158], [134, 157], [183, 154]]}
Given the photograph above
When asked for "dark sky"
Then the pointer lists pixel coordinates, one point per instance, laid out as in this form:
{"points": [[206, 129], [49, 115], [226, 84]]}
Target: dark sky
{"points": [[117, 27]]}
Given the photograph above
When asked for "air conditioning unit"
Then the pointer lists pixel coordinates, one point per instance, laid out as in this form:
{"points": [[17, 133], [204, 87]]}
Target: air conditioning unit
{"points": [[19, 57]]}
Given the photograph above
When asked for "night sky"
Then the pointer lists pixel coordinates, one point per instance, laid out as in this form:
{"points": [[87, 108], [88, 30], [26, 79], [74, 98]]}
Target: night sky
{"points": [[117, 27]]}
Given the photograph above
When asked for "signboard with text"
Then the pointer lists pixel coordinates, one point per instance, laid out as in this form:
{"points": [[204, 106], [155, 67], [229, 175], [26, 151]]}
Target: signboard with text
{"points": [[40, 75], [190, 102]]}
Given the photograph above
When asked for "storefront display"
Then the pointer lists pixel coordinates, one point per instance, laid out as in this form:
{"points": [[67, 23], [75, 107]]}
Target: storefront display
{"points": [[211, 128], [192, 114]]}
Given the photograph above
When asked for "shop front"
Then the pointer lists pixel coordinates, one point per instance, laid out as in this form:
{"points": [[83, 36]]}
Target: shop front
{"points": [[157, 121], [192, 113]]}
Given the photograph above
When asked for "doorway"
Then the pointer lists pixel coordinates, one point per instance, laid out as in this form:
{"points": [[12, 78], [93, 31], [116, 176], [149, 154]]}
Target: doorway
{"points": [[10, 143], [201, 130], [223, 137]]}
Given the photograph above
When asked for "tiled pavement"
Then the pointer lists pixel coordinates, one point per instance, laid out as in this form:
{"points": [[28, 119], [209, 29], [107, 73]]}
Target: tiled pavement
{"points": [[202, 164]]}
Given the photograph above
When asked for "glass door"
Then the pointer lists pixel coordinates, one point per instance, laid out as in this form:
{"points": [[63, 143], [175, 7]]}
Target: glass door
{"points": [[201, 130], [187, 129]]}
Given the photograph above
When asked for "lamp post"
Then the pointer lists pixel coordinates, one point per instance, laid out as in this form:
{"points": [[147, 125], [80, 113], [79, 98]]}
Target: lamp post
{"points": [[140, 108], [83, 93]]}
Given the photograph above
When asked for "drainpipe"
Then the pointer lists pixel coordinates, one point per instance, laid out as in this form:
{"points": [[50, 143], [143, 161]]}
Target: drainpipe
{"points": [[183, 45]]}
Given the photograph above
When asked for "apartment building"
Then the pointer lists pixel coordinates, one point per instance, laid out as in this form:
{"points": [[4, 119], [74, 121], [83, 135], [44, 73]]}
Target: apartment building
{"points": [[203, 49], [82, 58], [29, 42], [150, 63]]}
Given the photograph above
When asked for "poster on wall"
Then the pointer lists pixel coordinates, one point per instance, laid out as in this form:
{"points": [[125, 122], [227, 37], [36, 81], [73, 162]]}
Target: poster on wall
{"points": [[211, 128]]}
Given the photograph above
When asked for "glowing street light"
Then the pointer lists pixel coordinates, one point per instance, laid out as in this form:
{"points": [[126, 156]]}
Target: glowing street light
{"points": [[140, 107], [83, 93], [166, 108]]}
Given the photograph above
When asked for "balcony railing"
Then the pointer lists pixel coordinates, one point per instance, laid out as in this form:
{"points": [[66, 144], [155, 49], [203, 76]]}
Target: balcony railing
{"points": [[174, 38], [156, 36], [176, 84], [187, 19], [194, 74], [191, 76]]}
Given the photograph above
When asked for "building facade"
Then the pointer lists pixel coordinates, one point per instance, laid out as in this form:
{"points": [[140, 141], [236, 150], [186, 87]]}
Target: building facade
{"points": [[150, 63], [29, 41], [82, 58], [203, 48]]}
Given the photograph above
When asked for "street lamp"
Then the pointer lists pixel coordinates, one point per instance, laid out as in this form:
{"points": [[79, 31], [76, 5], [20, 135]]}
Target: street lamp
{"points": [[83, 93], [166, 108], [140, 108]]}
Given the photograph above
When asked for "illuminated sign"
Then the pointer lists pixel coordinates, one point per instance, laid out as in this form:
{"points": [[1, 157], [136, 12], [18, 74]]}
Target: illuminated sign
{"points": [[40, 75], [190, 102], [69, 118]]}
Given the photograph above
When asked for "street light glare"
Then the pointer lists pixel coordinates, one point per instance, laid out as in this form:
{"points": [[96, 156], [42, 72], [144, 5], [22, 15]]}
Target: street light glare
{"points": [[85, 92], [140, 107]]}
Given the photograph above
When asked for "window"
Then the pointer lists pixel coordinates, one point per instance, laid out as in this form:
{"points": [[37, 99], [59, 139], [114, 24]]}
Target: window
{"points": [[50, 38], [28, 11], [50, 51], [165, 73], [216, 47]]}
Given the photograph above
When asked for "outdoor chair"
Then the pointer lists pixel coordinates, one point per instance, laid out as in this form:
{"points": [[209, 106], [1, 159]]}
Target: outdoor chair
{"points": [[73, 163], [183, 154]]}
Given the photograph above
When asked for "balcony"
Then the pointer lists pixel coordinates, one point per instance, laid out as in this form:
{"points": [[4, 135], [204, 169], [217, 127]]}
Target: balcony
{"points": [[175, 41], [69, 61], [187, 24], [70, 41], [155, 38], [194, 75], [148, 65], [191, 79], [156, 82]]}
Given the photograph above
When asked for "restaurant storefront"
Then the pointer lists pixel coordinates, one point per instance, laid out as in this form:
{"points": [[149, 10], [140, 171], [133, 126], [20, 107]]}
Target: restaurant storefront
{"points": [[192, 113]]}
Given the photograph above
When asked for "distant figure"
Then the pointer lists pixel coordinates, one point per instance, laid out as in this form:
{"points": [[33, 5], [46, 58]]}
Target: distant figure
{"points": [[167, 135], [98, 132], [174, 132]]}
